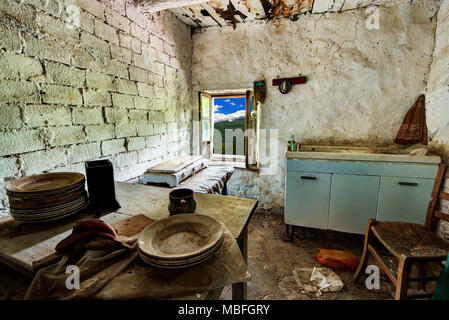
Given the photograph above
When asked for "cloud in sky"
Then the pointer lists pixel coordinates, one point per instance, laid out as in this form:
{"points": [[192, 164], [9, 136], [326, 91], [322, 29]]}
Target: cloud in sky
{"points": [[217, 107], [238, 115]]}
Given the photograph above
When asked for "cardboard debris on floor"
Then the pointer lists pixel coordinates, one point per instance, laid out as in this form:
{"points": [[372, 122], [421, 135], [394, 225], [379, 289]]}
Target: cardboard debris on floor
{"points": [[317, 280]]}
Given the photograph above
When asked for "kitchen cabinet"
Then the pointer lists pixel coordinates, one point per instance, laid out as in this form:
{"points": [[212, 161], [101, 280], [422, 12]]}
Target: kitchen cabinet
{"points": [[342, 194], [402, 199], [353, 201], [308, 199]]}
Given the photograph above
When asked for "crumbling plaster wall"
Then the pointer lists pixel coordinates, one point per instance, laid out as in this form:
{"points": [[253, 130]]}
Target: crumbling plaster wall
{"points": [[437, 104], [85, 79], [361, 82]]}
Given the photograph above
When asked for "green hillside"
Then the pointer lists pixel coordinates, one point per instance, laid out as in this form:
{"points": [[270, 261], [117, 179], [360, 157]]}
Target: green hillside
{"points": [[234, 125]]}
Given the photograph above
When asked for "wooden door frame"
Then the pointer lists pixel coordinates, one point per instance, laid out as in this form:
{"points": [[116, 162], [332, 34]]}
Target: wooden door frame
{"points": [[247, 116], [200, 118]]}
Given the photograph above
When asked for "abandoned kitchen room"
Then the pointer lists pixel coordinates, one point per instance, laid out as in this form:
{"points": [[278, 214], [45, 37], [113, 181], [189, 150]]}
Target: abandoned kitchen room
{"points": [[224, 150]]}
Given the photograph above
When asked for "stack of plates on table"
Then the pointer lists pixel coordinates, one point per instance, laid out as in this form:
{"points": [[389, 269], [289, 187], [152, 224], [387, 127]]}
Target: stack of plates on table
{"points": [[180, 241], [46, 197]]}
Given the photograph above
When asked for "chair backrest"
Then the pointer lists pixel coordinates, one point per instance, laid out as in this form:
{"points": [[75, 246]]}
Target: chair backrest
{"points": [[433, 211]]}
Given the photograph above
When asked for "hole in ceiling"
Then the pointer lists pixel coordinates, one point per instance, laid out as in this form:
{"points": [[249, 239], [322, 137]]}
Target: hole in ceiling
{"points": [[205, 13]]}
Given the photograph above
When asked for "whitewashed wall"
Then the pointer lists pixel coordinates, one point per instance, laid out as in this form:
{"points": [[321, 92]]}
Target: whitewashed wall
{"points": [[361, 82], [437, 104]]}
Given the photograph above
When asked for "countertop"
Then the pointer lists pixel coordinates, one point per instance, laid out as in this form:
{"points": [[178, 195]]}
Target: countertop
{"points": [[359, 154]]}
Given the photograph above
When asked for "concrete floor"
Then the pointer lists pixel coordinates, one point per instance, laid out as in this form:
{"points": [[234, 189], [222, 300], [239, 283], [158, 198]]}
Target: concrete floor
{"points": [[271, 260]]}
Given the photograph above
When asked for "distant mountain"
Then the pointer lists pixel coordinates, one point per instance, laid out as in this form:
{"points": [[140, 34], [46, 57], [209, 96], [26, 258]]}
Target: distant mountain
{"points": [[236, 124], [238, 115]]}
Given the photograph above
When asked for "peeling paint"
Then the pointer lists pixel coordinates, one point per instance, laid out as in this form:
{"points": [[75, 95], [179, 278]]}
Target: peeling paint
{"points": [[271, 10], [267, 7], [206, 13], [301, 6], [282, 9], [274, 10], [230, 13], [248, 5]]}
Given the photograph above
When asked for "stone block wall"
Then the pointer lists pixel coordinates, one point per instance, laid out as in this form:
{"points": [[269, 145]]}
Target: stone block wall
{"points": [[86, 79]]}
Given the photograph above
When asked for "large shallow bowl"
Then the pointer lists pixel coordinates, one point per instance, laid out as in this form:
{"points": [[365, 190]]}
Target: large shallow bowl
{"points": [[46, 202], [179, 237], [52, 210], [187, 264], [56, 216], [172, 262], [45, 183]]}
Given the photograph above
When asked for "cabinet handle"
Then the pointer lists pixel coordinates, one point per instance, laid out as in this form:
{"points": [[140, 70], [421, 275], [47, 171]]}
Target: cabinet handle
{"points": [[308, 178], [412, 184]]}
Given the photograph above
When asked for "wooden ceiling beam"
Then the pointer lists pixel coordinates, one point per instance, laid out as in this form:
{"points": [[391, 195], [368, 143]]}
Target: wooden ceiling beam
{"points": [[159, 5]]}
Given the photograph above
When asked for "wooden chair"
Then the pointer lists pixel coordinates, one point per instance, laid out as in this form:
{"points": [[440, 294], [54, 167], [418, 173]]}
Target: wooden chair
{"points": [[410, 243]]}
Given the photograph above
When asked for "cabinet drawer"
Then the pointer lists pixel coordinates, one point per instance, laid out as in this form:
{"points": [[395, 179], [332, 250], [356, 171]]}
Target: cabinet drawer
{"points": [[353, 202], [404, 199], [307, 199]]}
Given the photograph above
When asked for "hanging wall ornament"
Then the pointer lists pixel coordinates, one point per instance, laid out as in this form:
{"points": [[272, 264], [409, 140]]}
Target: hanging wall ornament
{"points": [[260, 91], [285, 84]]}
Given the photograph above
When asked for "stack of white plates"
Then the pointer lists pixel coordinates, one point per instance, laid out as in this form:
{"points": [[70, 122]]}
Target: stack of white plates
{"points": [[180, 241], [46, 197]]}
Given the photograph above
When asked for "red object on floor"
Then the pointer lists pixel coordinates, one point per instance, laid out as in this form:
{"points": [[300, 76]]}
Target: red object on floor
{"points": [[336, 259]]}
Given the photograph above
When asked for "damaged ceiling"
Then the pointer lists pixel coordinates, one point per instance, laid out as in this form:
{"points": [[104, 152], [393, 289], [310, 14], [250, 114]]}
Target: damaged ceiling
{"points": [[203, 13]]}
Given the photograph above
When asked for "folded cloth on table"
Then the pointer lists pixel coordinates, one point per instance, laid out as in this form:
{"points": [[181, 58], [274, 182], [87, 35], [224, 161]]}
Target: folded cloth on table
{"points": [[211, 180], [119, 273]]}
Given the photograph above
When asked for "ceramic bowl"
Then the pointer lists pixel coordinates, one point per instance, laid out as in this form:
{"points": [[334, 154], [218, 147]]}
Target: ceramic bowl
{"points": [[179, 237]]}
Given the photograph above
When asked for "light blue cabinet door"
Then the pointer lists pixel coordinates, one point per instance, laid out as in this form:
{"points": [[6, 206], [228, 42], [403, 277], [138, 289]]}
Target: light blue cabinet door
{"points": [[353, 202], [404, 199], [307, 199]]}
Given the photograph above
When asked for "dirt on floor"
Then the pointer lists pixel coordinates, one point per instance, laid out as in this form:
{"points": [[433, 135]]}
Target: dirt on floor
{"points": [[272, 259]]}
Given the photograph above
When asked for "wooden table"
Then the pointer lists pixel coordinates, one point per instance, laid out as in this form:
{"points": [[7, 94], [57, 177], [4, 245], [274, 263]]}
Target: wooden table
{"points": [[22, 244]]}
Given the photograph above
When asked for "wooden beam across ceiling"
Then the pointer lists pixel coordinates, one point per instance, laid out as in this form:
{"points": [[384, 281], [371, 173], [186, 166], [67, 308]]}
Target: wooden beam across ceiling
{"points": [[152, 6]]}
